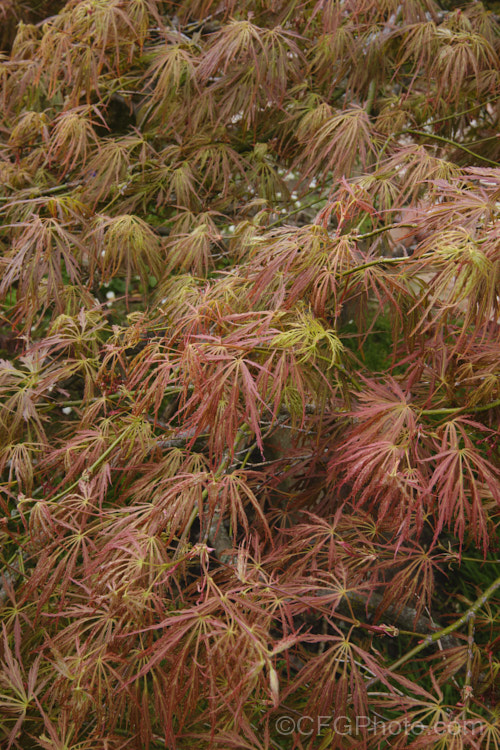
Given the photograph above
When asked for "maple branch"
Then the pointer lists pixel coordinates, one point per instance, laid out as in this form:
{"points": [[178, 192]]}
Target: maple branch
{"points": [[377, 262], [404, 617], [41, 192], [455, 410], [433, 637], [386, 228], [372, 90], [295, 211], [451, 116], [169, 391], [94, 466], [215, 532], [467, 688], [454, 115], [442, 139]]}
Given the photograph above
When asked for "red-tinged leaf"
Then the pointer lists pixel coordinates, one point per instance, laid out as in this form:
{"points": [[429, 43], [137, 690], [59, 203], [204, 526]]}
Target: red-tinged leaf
{"points": [[463, 481]]}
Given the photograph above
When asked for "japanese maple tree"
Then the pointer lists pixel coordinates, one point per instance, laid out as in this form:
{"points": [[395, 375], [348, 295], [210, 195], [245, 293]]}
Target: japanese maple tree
{"points": [[250, 374]]}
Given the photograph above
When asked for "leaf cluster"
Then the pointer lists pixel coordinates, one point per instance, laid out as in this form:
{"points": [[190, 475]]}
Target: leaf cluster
{"points": [[250, 376]]}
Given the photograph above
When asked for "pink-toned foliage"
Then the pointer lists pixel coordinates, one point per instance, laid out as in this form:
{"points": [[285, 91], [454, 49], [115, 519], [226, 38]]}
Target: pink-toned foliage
{"points": [[249, 374]]}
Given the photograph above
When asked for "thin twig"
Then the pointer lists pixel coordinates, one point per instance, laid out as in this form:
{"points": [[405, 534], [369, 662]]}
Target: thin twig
{"points": [[433, 637], [455, 144], [457, 409], [215, 527]]}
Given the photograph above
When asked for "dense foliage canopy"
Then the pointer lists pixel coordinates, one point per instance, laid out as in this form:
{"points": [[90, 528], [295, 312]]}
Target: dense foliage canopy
{"points": [[250, 381]]}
